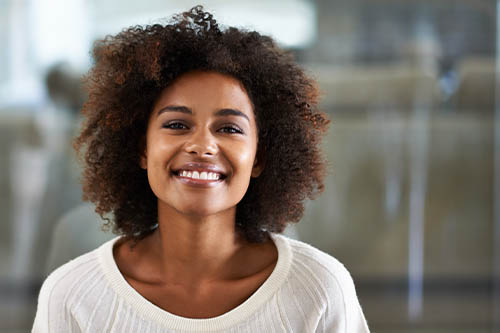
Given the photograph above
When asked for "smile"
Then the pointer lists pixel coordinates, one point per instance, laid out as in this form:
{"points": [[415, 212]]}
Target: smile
{"points": [[199, 178], [203, 175], [199, 174]]}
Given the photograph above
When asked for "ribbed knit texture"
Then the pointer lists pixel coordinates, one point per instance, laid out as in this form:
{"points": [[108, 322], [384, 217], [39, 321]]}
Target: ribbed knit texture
{"points": [[308, 291]]}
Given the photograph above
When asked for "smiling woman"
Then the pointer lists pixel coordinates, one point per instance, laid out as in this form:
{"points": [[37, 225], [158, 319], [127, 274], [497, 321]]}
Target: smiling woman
{"points": [[202, 124], [203, 144], [188, 138]]}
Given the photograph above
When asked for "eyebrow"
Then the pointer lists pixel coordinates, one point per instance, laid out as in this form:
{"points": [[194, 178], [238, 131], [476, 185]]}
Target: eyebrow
{"points": [[185, 109]]}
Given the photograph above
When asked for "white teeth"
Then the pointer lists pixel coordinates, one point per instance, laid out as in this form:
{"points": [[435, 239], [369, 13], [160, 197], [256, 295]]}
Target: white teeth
{"points": [[204, 175]]}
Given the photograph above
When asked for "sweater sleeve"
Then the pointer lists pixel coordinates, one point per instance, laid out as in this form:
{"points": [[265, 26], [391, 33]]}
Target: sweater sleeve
{"points": [[348, 316], [42, 316], [52, 314], [42, 322], [49, 314]]}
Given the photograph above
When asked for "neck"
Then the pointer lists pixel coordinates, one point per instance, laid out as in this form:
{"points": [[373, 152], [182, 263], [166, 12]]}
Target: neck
{"points": [[191, 249]]}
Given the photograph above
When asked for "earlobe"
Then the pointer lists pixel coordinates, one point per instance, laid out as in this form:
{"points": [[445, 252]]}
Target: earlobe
{"points": [[143, 163], [257, 169], [259, 163], [143, 158]]}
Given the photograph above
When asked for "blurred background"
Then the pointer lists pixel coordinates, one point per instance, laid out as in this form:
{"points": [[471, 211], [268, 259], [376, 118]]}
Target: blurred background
{"points": [[412, 202]]}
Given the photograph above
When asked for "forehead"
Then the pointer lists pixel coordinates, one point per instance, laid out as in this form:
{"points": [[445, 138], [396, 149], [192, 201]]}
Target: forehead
{"points": [[206, 90]]}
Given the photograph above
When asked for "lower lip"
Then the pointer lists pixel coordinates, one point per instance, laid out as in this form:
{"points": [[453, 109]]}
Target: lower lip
{"points": [[198, 182]]}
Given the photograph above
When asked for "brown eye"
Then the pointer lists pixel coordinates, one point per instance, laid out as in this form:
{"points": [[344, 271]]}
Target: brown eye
{"points": [[175, 125], [230, 129]]}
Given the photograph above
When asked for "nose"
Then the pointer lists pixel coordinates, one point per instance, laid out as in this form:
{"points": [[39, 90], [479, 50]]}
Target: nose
{"points": [[201, 143]]}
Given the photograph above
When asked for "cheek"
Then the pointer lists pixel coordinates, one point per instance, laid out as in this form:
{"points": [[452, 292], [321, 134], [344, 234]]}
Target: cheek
{"points": [[158, 147], [158, 154], [243, 159]]}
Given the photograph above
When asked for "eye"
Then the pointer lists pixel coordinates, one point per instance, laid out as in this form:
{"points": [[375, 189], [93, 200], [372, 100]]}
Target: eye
{"points": [[230, 129], [176, 125]]}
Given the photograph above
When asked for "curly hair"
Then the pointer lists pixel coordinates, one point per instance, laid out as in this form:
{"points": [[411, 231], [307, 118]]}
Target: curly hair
{"points": [[130, 71]]}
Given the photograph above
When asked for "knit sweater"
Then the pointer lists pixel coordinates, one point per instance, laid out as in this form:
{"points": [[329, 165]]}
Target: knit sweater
{"points": [[308, 291]]}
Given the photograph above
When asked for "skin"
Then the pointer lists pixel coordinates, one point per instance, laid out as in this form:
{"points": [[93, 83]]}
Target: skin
{"points": [[192, 264]]}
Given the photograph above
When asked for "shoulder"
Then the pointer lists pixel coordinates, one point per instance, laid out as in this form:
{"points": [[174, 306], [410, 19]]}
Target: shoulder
{"points": [[70, 273], [322, 268], [65, 288], [322, 281]]}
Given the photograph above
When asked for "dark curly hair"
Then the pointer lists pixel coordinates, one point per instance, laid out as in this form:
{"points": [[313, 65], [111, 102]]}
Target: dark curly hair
{"points": [[130, 71]]}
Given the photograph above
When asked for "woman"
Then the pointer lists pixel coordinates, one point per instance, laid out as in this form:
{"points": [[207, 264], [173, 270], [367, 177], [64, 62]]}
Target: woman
{"points": [[202, 143]]}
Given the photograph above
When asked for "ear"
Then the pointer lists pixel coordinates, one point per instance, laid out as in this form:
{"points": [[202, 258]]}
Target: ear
{"points": [[143, 158], [258, 165], [143, 162]]}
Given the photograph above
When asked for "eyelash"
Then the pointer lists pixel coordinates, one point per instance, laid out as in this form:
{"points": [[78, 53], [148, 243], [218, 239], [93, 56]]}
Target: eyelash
{"points": [[175, 126], [171, 125]]}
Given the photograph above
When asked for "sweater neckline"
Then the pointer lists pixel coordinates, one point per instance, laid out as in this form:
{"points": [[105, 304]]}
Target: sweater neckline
{"points": [[169, 320]]}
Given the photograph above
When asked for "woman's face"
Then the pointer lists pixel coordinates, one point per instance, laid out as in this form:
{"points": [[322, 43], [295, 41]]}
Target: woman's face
{"points": [[201, 144]]}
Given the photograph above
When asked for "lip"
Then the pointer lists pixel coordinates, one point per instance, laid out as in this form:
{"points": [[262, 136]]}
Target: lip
{"points": [[200, 167], [198, 182]]}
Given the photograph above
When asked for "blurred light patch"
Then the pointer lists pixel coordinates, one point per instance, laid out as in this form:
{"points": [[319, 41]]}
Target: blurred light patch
{"points": [[60, 32], [292, 23], [41, 33]]}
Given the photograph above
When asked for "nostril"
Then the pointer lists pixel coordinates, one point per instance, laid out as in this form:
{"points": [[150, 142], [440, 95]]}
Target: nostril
{"points": [[199, 149]]}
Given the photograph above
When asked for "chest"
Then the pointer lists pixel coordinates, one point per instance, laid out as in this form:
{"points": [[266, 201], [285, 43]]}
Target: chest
{"points": [[202, 302]]}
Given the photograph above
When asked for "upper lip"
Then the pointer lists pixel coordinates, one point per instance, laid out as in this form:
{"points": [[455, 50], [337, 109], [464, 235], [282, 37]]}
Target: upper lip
{"points": [[200, 166]]}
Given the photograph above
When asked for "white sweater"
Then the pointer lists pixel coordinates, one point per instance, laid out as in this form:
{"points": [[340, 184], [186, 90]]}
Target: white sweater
{"points": [[308, 291]]}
